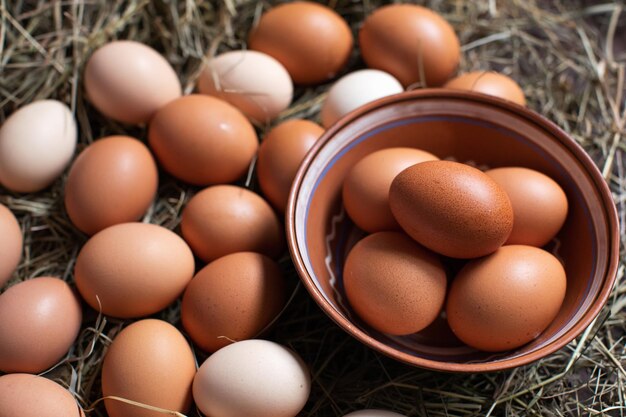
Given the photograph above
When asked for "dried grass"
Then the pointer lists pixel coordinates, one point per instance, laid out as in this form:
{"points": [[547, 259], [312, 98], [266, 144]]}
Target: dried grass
{"points": [[570, 58]]}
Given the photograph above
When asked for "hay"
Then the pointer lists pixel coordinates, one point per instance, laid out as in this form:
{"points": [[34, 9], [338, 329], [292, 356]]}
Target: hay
{"points": [[570, 58]]}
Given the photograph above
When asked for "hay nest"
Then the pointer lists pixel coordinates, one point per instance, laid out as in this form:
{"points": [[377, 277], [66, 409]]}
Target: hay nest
{"points": [[569, 57]]}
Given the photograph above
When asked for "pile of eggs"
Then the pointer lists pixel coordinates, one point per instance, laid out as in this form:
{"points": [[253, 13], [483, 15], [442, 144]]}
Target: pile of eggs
{"points": [[222, 266], [424, 213]]}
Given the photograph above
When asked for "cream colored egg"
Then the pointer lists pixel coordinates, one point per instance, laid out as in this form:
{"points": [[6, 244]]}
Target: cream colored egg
{"points": [[356, 89], [36, 144], [252, 81], [252, 378], [129, 81]]}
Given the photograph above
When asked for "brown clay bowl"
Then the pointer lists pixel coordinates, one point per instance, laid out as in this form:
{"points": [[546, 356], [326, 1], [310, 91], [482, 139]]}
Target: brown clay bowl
{"points": [[472, 128]]}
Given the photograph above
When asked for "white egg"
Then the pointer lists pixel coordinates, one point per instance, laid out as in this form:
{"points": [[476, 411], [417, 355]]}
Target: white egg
{"points": [[356, 89], [252, 81], [373, 413], [252, 378], [36, 144]]}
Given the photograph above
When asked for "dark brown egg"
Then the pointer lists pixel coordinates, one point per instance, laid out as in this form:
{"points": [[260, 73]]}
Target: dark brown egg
{"points": [[412, 43], [539, 204], [311, 40], [394, 284], [506, 299], [451, 208], [489, 82]]}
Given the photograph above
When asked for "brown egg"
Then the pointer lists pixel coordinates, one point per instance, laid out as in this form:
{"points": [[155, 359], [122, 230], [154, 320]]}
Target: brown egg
{"points": [[311, 40], [114, 180], [489, 82], [539, 204], [395, 285], [506, 299], [366, 188], [280, 155], [202, 140], [26, 395], [39, 321], [133, 269], [129, 81], [10, 244], [451, 208], [412, 43], [149, 362], [225, 219], [231, 299]]}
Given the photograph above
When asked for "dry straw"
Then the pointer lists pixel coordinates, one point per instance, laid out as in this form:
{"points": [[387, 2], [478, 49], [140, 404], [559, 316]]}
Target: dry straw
{"points": [[569, 56]]}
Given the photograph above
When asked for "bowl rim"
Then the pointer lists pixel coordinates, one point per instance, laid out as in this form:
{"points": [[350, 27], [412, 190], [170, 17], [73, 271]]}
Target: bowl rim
{"points": [[610, 213]]}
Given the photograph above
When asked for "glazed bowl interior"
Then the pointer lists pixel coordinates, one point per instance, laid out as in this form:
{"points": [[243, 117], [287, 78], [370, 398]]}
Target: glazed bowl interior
{"points": [[469, 128]]}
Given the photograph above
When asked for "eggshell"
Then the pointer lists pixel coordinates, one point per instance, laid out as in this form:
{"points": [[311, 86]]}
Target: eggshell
{"points": [[280, 155], [489, 82], [26, 395], [354, 90], [134, 269], [202, 140], [39, 321], [394, 285], [365, 190], [149, 362], [225, 219], [233, 298], [539, 204], [373, 413], [252, 81], [11, 241], [451, 208], [412, 43], [311, 40], [114, 180], [36, 144], [252, 378], [129, 81], [506, 299]]}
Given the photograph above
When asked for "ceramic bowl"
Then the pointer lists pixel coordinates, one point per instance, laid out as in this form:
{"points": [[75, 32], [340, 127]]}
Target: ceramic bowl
{"points": [[472, 128]]}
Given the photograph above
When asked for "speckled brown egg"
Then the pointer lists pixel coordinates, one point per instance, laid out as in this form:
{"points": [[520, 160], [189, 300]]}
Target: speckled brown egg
{"points": [[133, 269], [39, 321], [394, 284], [231, 299], [149, 362], [280, 155], [451, 208], [506, 299], [225, 219], [365, 190], [10, 244], [489, 82], [311, 40], [539, 204], [26, 395], [202, 140], [114, 180], [410, 42]]}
